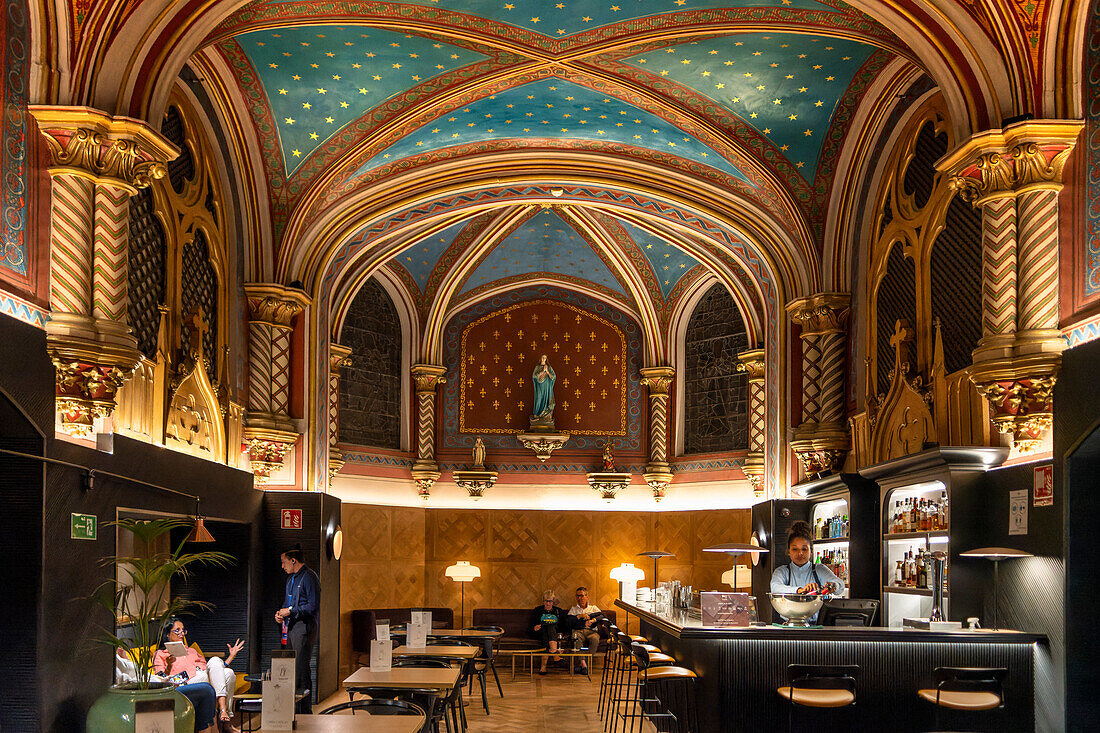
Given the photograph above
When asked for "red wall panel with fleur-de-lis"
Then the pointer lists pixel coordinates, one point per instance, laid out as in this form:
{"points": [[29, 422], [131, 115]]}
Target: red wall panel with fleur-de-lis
{"points": [[499, 352]]}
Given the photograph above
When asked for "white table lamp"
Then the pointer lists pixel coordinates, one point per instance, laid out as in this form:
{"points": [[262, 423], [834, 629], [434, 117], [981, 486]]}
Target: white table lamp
{"points": [[730, 576], [462, 573], [628, 576]]}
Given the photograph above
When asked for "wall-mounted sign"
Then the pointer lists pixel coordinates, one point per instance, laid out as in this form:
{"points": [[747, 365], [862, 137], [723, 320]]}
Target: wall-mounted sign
{"points": [[84, 527], [1043, 491], [292, 519], [1017, 512]]}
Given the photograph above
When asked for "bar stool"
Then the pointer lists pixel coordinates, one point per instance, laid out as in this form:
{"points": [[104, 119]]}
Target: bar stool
{"points": [[621, 679], [819, 686], [667, 682], [971, 689]]}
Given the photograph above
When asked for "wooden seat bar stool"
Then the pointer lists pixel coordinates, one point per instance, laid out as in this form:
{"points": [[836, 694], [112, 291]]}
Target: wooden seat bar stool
{"points": [[968, 689], [662, 693], [618, 670], [819, 686]]}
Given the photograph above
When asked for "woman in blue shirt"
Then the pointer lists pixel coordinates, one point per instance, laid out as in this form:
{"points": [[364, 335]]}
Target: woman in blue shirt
{"points": [[801, 575]]}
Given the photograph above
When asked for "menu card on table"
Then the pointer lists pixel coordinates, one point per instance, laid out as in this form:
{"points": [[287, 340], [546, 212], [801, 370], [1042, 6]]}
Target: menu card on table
{"points": [[419, 625], [277, 704], [381, 656]]}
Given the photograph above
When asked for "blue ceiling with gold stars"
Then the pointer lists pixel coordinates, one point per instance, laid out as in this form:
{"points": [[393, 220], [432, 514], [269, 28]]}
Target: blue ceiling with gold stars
{"points": [[420, 259], [319, 78], [785, 85], [545, 244], [669, 262], [556, 109]]}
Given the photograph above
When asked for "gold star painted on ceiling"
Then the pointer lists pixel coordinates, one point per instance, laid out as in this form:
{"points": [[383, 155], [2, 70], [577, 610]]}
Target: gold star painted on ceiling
{"points": [[329, 120], [322, 90], [808, 133], [296, 153], [313, 136], [273, 66], [818, 103], [344, 105], [289, 120], [830, 78], [362, 90], [282, 91], [509, 6], [777, 101], [792, 118], [535, 19], [587, 19], [356, 66], [306, 105]]}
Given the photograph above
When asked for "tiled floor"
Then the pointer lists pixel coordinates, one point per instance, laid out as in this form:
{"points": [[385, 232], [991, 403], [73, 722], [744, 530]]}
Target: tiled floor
{"points": [[556, 702]]}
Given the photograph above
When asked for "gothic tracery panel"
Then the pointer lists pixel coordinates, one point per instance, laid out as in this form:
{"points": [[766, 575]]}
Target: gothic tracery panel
{"points": [[370, 388], [716, 395]]}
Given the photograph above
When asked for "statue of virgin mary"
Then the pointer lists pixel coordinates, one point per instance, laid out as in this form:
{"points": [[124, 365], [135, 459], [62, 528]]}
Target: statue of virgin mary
{"points": [[542, 379]]}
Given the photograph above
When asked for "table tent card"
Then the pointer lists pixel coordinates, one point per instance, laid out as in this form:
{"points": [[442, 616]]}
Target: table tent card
{"points": [[419, 625], [726, 609], [277, 705], [381, 649]]}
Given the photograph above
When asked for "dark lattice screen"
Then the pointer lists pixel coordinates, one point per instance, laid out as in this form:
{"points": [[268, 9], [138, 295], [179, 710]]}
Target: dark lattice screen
{"points": [[919, 175], [897, 298], [370, 389], [957, 283], [146, 262], [716, 395], [199, 292], [181, 169]]}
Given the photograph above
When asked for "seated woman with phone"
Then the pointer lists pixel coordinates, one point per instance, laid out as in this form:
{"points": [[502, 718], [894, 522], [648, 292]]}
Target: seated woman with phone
{"points": [[186, 665], [547, 621]]}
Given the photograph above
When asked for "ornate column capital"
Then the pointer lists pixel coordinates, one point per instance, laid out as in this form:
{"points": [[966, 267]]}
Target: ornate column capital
{"points": [[1020, 391], [338, 356], [266, 448], [274, 304], [657, 378], [88, 143], [426, 377], [753, 468], [752, 363], [1003, 162], [820, 314]]}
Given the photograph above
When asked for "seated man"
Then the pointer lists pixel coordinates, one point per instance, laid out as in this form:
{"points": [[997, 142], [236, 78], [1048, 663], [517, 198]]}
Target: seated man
{"points": [[583, 617]]}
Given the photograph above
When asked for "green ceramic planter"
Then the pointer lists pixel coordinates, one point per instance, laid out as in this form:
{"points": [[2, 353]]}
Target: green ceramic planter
{"points": [[114, 711]]}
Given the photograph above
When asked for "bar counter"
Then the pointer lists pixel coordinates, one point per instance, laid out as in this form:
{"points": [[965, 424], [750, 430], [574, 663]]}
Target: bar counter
{"points": [[740, 668]]}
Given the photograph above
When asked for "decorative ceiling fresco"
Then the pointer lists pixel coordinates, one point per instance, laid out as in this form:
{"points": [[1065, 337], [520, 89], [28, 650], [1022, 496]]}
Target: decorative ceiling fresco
{"points": [[553, 109], [668, 261], [785, 85], [750, 95], [544, 245]]}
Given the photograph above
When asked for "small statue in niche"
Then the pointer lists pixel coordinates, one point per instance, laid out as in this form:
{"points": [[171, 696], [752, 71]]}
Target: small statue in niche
{"points": [[608, 458], [479, 453], [542, 381]]}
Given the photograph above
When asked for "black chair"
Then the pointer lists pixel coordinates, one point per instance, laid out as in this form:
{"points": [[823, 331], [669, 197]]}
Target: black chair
{"points": [[428, 700], [819, 686], [968, 689], [488, 656], [452, 701], [381, 706]]}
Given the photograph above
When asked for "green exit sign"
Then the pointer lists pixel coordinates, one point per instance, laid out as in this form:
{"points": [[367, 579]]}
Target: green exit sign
{"points": [[84, 527]]}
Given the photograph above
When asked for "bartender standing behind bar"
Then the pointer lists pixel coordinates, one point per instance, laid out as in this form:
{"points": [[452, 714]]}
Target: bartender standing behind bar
{"points": [[801, 575]]}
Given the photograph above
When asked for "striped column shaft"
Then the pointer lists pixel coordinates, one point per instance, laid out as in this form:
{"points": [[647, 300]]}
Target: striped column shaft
{"points": [[333, 407], [259, 367], [756, 415], [831, 384], [1037, 302], [999, 267], [425, 426], [658, 427], [811, 377], [280, 370], [110, 284], [72, 225]]}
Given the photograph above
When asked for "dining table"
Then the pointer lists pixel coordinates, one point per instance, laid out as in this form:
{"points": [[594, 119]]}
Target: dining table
{"points": [[360, 722], [423, 678], [442, 651]]}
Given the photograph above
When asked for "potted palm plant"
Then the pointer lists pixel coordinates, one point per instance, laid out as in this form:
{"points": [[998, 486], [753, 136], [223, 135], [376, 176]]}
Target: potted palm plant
{"points": [[141, 594]]}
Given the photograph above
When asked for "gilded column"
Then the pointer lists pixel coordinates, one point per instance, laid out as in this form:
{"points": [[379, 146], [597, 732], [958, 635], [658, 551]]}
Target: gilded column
{"points": [[338, 356], [821, 441], [97, 162], [752, 363], [1015, 175], [425, 471], [269, 432], [657, 473]]}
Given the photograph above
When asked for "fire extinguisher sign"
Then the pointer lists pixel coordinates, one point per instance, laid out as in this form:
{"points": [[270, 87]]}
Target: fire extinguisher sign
{"points": [[292, 519]]}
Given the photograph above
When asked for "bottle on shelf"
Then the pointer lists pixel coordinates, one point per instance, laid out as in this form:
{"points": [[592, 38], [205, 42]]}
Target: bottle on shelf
{"points": [[899, 574], [922, 569]]}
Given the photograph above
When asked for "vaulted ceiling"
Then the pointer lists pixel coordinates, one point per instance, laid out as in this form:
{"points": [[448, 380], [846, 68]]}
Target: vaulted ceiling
{"points": [[753, 97]]}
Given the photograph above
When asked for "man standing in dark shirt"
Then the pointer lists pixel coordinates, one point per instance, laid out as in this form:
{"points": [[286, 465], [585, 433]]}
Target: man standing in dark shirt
{"points": [[298, 617]]}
